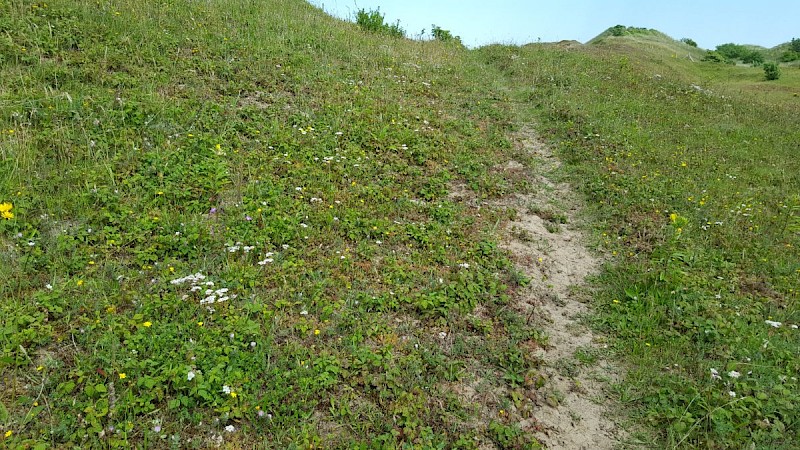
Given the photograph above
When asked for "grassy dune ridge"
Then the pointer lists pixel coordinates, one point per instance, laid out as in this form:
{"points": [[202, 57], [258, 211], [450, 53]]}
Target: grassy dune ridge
{"points": [[228, 222], [692, 174]]}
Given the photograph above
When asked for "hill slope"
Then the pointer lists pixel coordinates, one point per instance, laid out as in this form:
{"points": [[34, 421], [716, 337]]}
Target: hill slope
{"points": [[229, 221], [234, 223]]}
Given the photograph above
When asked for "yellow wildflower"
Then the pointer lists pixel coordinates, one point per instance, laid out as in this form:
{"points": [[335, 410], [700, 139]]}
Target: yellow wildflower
{"points": [[5, 211], [147, 324], [8, 433], [122, 376]]}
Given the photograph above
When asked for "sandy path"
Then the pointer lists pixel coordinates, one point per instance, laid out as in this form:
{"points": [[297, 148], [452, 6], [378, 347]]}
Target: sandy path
{"points": [[554, 255]]}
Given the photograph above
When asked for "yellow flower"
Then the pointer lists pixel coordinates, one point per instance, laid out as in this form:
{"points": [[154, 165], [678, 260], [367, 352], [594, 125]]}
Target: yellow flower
{"points": [[147, 324], [5, 211], [79, 283], [234, 394], [122, 376], [8, 433], [316, 332], [673, 217]]}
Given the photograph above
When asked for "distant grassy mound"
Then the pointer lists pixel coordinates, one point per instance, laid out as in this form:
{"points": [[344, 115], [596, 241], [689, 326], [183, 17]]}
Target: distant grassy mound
{"points": [[647, 39]]}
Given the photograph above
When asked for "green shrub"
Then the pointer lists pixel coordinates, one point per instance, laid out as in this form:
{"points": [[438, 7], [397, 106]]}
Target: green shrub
{"points": [[753, 57], [440, 34], [772, 71], [689, 41], [373, 21], [789, 56], [715, 57], [617, 30], [794, 45]]}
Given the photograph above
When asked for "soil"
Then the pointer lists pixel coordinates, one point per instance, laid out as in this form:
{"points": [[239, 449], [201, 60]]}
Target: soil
{"points": [[548, 245]]}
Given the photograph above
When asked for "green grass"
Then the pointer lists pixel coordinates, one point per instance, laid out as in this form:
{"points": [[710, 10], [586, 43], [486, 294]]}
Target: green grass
{"points": [[303, 167], [695, 199]]}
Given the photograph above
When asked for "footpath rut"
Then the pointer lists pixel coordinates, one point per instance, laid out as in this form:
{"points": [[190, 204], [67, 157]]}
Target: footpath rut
{"points": [[549, 247]]}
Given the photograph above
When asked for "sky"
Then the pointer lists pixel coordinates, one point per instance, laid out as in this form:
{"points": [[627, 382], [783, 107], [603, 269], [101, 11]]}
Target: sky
{"points": [[480, 22]]}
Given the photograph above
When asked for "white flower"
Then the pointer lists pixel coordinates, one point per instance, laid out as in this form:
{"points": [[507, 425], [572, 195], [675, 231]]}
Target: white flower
{"points": [[773, 324], [264, 262], [304, 312], [190, 376], [230, 428], [49, 286], [464, 265], [734, 374], [715, 374], [732, 394], [226, 389], [442, 335]]}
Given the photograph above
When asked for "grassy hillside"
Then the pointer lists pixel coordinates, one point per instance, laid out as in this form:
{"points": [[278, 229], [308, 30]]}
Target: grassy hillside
{"points": [[228, 221], [692, 172]]}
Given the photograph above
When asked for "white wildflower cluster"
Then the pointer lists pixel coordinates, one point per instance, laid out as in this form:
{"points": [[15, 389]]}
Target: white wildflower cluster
{"points": [[215, 296], [202, 289], [267, 259], [464, 265], [773, 324], [239, 246], [192, 279]]}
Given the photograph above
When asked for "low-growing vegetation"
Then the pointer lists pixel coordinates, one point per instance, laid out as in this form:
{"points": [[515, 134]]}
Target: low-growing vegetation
{"points": [[694, 190], [229, 223]]}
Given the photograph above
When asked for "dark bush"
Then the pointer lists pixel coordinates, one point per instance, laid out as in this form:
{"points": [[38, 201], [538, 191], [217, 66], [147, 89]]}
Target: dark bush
{"points": [[772, 71], [715, 57], [440, 34], [373, 21]]}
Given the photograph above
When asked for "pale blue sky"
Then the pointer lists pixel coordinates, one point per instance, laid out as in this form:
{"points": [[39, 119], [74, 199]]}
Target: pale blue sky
{"points": [[478, 22]]}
